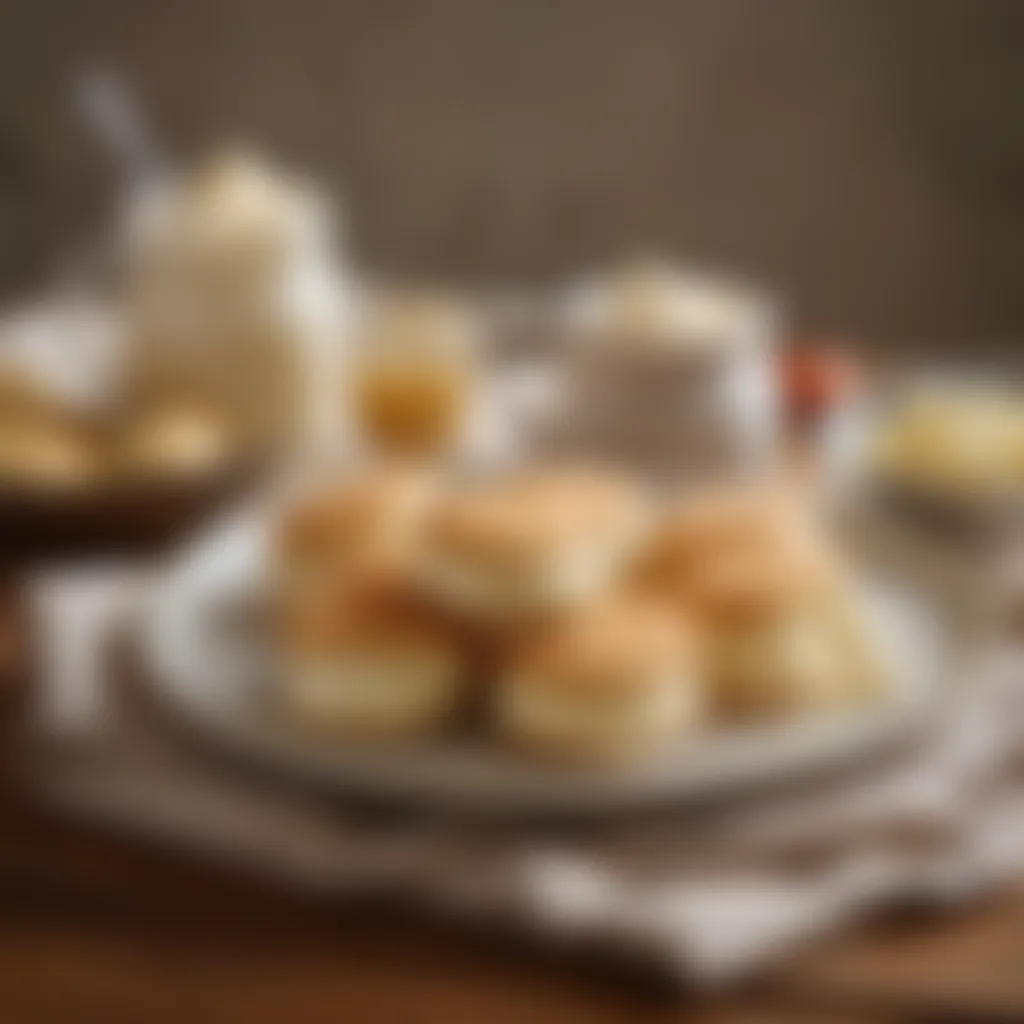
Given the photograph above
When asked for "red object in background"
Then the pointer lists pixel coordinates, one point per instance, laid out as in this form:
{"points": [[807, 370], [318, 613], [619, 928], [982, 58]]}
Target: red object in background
{"points": [[818, 378]]}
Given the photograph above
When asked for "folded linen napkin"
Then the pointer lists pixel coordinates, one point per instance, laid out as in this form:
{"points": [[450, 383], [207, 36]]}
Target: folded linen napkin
{"points": [[705, 894]]}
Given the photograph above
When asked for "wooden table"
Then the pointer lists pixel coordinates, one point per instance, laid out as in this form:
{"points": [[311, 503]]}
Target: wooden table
{"points": [[96, 927]]}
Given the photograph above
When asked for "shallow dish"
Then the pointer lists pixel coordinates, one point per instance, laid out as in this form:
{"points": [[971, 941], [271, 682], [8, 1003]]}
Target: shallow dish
{"points": [[854, 478], [127, 518], [207, 664]]}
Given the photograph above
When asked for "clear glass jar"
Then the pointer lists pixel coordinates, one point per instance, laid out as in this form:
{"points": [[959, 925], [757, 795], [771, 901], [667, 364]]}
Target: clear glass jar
{"points": [[414, 375]]}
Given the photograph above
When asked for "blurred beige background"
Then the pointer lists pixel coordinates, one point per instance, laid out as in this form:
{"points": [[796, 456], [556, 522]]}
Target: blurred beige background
{"points": [[866, 156]]}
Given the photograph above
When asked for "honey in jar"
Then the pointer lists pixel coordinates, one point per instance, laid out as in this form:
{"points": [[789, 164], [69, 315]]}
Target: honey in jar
{"points": [[413, 380]]}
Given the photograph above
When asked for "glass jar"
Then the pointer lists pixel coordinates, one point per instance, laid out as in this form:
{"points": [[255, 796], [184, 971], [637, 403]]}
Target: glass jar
{"points": [[414, 376]]}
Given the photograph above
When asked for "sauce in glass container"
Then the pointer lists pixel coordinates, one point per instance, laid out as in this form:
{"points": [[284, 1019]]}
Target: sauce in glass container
{"points": [[413, 379]]}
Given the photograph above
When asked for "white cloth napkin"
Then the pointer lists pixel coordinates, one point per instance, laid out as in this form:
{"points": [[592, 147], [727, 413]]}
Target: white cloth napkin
{"points": [[707, 896]]}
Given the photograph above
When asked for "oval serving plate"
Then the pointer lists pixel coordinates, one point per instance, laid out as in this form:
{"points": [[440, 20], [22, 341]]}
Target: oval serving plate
{"points": [[206, 663]]}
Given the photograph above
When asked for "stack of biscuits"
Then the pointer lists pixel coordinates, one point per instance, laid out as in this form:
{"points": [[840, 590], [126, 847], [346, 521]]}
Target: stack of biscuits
{"points": [[558, 609]]}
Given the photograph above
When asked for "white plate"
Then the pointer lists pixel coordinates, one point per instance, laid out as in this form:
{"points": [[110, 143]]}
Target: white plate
{"points": [[206, 664]]}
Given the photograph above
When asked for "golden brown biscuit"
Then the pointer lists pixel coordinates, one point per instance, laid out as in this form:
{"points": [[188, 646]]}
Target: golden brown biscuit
{"points": [[772, 597], [717, 520], [730, 552], [372, 518], [778, 664], [787, 635], [736, 584], [602, 682], [531, 544], [589, 497], [370, 658], [804, 656]]}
